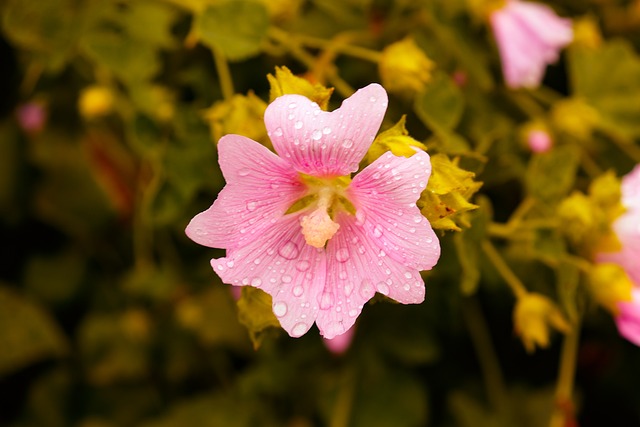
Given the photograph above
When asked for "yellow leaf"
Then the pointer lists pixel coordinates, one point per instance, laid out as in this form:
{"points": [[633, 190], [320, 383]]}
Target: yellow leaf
{"points": [[284, 83]]}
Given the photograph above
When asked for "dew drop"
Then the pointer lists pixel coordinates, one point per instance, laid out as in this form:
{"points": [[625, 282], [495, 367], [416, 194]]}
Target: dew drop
{"points": [[278, 132], [298, 124], [373, 99], [289, 250], [347, 143], [220, 267], [407, 286], [256, 261], [286, 279], [377, 231], [256, 281], [326, 300], [326, 130], [353, 312], [244, 172], [293, 105], [251, 206], [408, 274], [383, 288], [382, 254], [316, 135], [297, 291], [280, 308], [418, 219], [299, 329], [302, 265], [342, 275], [348, 288], [366, 289], [342, 255], [230, 264]]}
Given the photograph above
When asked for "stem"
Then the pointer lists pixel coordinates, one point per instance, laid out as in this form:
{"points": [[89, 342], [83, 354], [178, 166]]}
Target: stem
{"points": [[564, 388], [507, 274], [341, 416], [338, 44], [224, 74], [487, 357]]}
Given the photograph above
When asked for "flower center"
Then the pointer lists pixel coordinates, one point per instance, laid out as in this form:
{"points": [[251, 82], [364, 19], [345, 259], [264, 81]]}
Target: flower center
{"points": [[318, 227], [325, 197]]}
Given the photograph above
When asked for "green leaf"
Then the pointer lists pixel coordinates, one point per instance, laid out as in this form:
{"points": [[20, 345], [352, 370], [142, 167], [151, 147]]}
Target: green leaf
{"points": [[27, 333], [441, 104], [608, 77], [235, 28], [551, 175], [254, 312]]}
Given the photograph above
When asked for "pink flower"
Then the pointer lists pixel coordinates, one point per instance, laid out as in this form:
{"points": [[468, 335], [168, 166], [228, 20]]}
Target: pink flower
{"points": [[539, 141], [529, 37], [341, 343], [628, 320], [627, 228], [349, 238]]}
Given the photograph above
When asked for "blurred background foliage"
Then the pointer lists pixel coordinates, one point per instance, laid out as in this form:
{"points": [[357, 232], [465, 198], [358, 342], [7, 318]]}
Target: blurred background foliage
{"points": [[109, 114]]}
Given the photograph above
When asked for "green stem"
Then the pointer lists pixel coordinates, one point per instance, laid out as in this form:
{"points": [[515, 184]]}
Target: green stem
{"points": [[224, 74], [487, 357], [564, 387], [341, 415], [501, 266], [337, 44]]}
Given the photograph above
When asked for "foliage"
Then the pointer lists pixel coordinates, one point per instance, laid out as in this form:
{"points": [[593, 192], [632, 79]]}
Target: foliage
{"points": [[110, 316]]}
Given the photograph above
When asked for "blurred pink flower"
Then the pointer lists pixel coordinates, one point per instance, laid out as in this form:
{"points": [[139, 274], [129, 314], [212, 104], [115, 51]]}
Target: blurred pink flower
{"points": [[341, 343], [321, 263], [627, 228], [539, 141], [32, 117], [628, 320], [529, 36]]}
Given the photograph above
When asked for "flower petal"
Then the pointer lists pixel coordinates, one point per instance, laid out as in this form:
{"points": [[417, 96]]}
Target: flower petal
{"points": [[384, 195], [279, 262], [356, 269], [324, 143], [260, 188], [631, 189], [628, 321]]}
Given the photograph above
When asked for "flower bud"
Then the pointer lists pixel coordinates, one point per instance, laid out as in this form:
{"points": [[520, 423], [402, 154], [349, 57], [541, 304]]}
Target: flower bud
{"points": [[404, 67], [242, 115], [532, 317], [95, 101], [284, 83]]}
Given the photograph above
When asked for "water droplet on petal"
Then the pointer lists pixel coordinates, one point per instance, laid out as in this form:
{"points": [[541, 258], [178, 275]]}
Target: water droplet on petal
{"points": [[293, 105], [360, 217], [299, 329], [348, 288], [230, 264], [353, 312], [408, 274], [302, 265], [407, 286], [278, 132], [280, 308], [342, 255], [286, 279], [244, 172], [298, 125], [289, 250], [377, 231], [342, 275], [366, 289], [326, 300], [297, 291], [256, 261], [256, 281], [316, 135], [383, 288], [373, 99], [347, 143], [251, 206], [418, 219]]}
